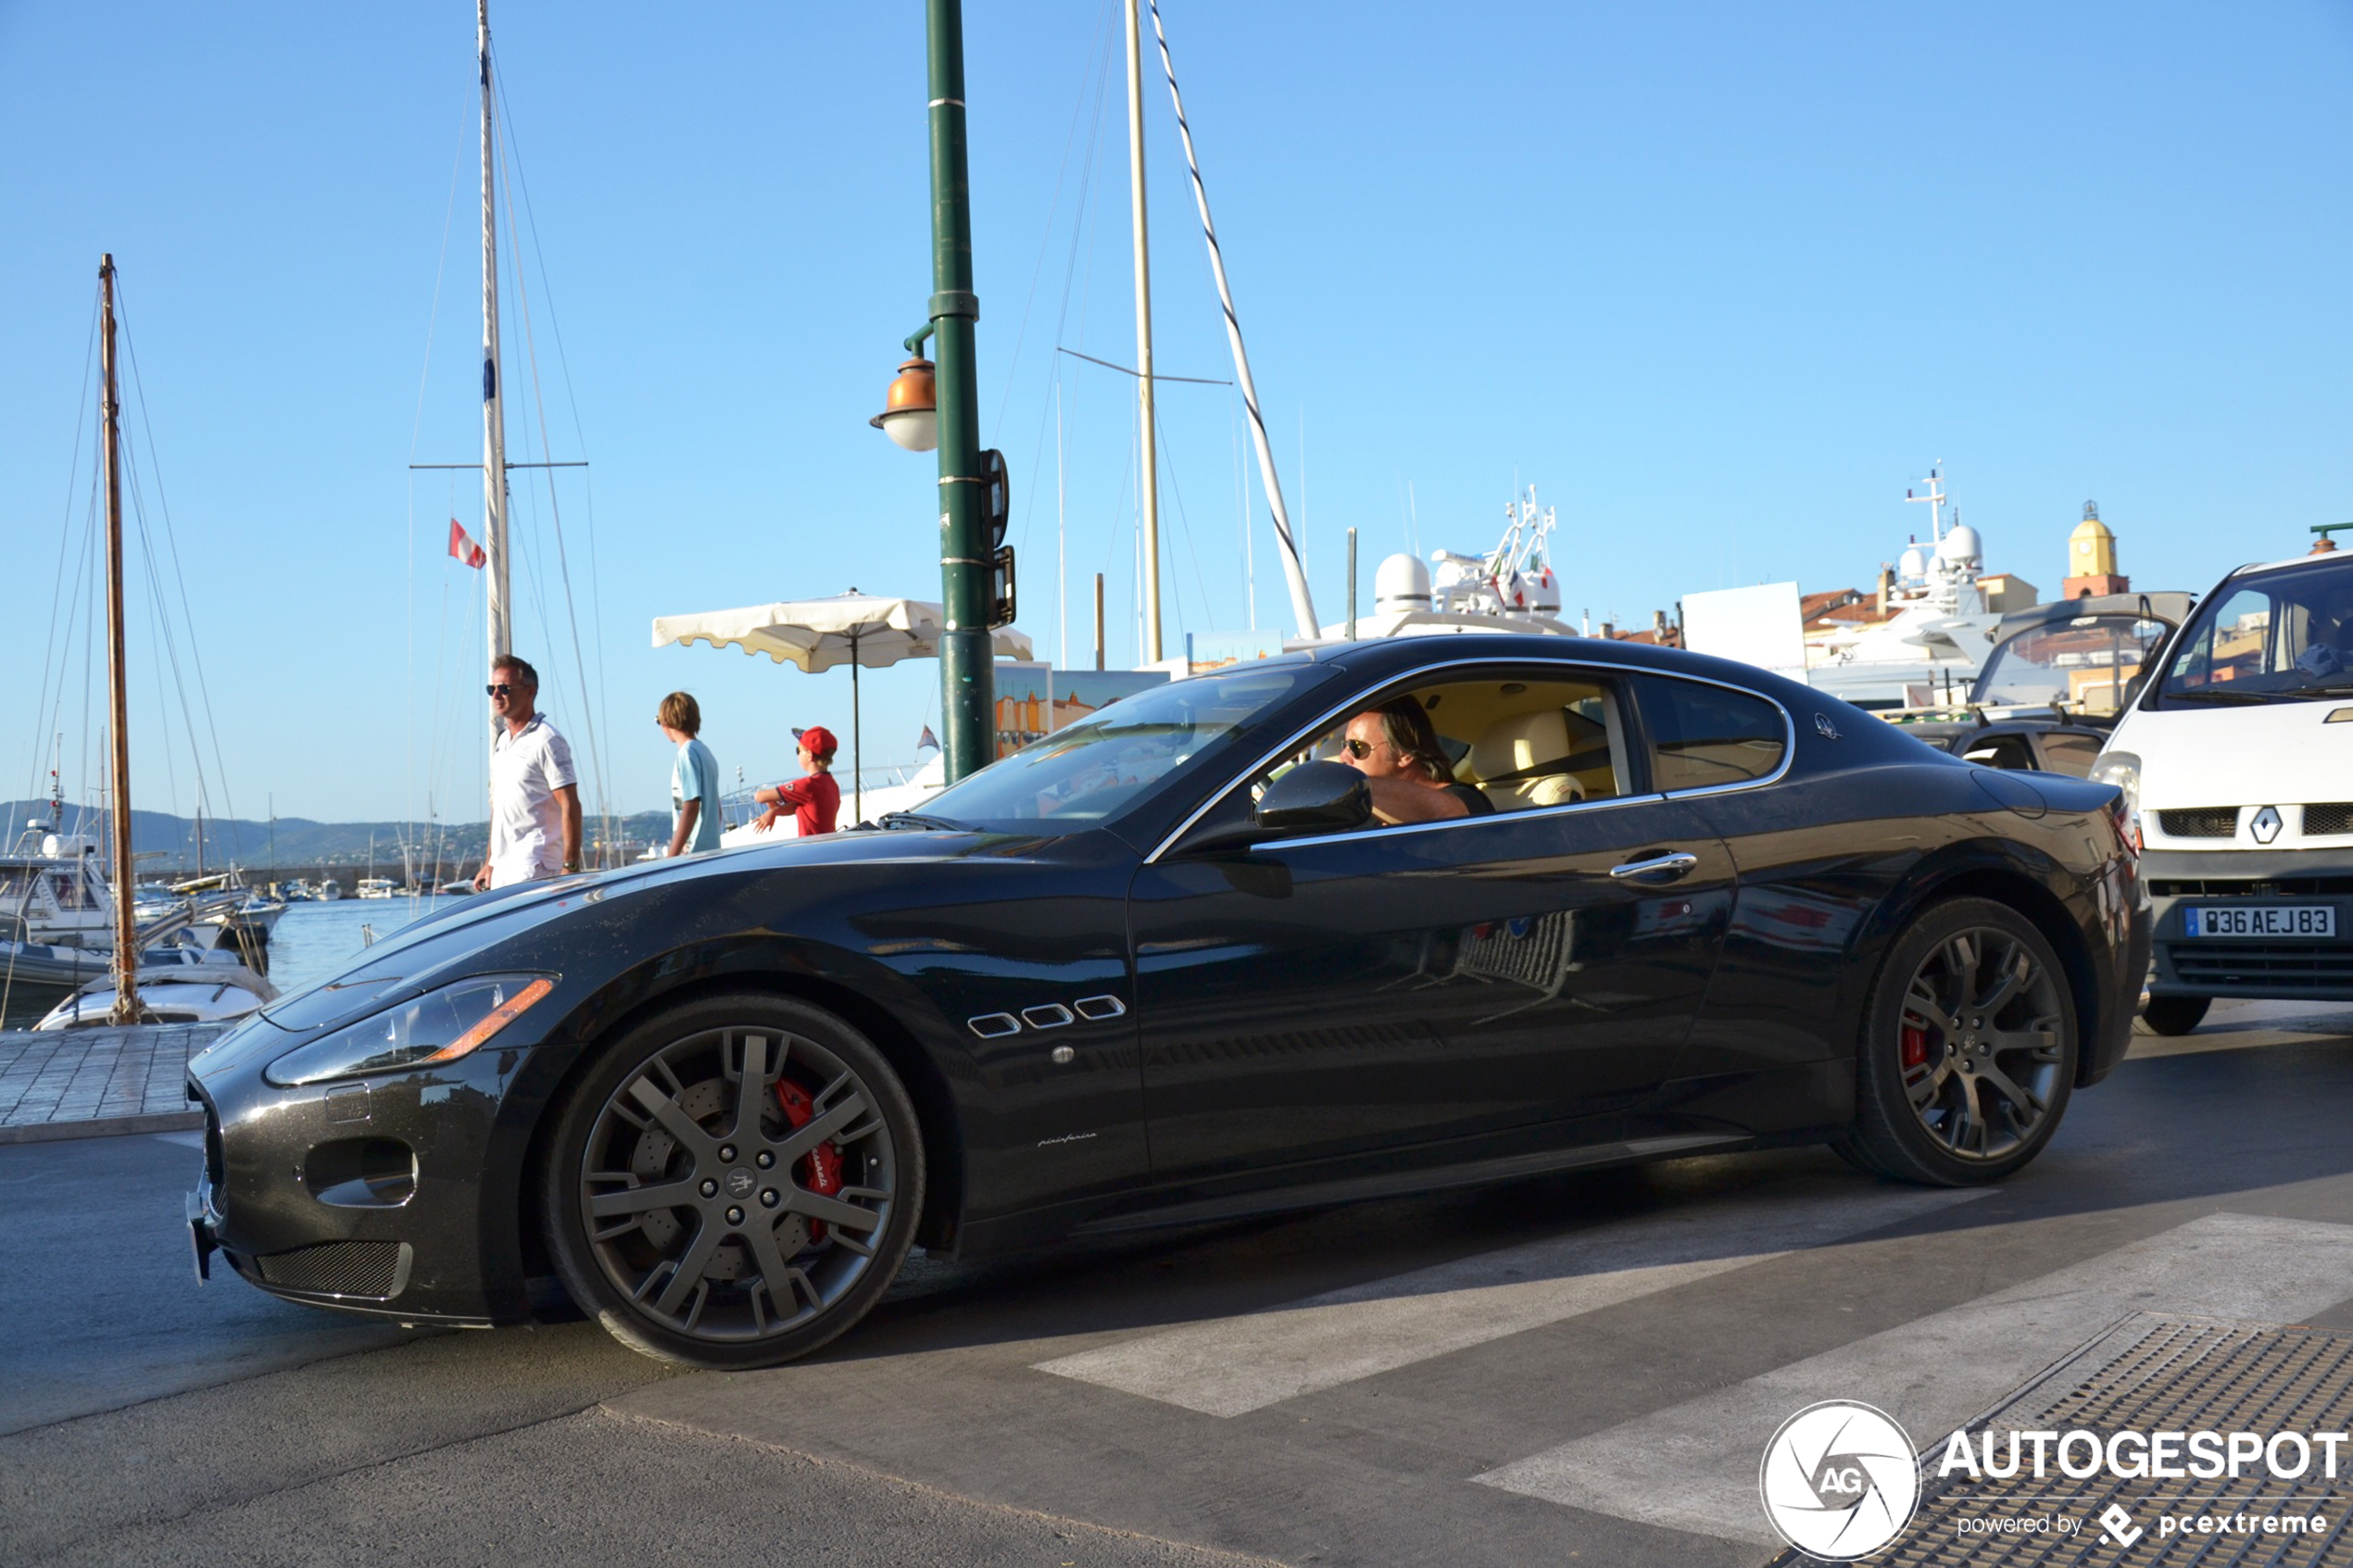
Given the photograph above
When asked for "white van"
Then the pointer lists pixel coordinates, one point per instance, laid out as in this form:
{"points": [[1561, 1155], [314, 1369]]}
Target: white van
{"points": [[2235, 758]]}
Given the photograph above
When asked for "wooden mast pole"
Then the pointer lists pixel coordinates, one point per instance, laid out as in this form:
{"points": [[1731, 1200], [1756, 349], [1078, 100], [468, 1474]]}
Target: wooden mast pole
{"points": [[126, 921]]}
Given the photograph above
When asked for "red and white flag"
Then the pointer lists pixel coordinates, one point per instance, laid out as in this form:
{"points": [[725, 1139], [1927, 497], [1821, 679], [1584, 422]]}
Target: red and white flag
{"points": [[462, 547]]}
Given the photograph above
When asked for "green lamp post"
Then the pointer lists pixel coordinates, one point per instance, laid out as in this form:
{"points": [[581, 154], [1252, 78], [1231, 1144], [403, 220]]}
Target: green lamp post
{"points": [[926, 410]]}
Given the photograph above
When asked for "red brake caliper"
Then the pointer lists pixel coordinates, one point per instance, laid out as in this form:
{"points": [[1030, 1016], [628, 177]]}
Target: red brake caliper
{"points": [[1914, 1046], [819, 1172]]}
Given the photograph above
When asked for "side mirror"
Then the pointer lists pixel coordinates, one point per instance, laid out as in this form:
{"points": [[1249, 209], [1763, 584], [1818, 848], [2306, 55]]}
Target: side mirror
{"points": [[1317, 796]]}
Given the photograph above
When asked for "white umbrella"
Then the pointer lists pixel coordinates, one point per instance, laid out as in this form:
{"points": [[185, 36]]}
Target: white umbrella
{"points": [[859, 630]]}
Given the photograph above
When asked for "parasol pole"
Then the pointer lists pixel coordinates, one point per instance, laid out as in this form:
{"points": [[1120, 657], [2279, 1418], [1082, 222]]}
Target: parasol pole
{"points": [[857, 742]]}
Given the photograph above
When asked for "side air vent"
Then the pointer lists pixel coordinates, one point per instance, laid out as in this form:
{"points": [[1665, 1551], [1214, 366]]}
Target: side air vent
{"points": [[376, 1270], [2332, 817], [2203, 822]]}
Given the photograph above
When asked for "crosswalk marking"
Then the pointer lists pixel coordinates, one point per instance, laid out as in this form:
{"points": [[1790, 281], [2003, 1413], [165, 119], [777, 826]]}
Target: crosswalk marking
{"points": [[1230, 1366], [1693, 1466]]}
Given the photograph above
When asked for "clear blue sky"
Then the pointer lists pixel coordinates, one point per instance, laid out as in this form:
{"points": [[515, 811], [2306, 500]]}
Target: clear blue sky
{"points": [[1721, 279]]}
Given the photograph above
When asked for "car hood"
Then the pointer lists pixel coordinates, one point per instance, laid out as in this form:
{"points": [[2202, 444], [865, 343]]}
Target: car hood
{"points": [[2274, 755], [443, 944]]}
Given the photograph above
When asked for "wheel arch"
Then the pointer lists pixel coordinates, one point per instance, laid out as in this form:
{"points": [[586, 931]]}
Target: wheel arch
{"points": [[927, 1083], [2013, 886]]}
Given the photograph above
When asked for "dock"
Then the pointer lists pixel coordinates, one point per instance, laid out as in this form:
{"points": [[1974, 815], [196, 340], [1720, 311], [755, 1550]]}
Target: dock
{"points": [[98, 1082]]}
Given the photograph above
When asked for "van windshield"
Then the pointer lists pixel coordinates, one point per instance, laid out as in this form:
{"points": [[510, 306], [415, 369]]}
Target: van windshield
{"points": [[2089, 663], [2279, 636]]}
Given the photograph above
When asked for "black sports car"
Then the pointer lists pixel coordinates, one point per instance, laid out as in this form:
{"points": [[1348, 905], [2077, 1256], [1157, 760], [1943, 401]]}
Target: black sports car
{"points": [[1170, 964]]}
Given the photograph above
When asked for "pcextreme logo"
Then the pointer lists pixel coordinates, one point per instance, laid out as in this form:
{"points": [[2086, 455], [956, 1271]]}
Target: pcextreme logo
{"points": [[1839, 1480]]}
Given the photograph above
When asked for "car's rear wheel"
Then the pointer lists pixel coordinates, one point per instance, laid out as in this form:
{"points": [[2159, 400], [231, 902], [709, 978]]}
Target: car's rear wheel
{"points": [[734, 1182], [2175, 1015], [1967, 1050]]}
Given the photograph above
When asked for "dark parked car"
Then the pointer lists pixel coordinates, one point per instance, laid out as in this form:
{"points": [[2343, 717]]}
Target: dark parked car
{"points": [[2049, 691], [1166, 966]]}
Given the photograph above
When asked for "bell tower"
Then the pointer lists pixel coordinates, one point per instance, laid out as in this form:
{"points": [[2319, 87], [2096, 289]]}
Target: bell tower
{"points": [[2090, 559]]}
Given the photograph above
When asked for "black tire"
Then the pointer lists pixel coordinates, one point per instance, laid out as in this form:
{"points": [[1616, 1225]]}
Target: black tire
{"points": [[1967, 1049], [785, 1231], [2175, 1015]]}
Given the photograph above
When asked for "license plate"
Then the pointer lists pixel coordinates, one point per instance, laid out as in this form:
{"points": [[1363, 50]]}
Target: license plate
{"points": [[2260, 919]]}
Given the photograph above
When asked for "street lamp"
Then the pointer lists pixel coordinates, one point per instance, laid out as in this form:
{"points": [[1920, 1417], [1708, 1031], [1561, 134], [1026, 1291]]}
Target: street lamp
{"points": [[911, 411]]}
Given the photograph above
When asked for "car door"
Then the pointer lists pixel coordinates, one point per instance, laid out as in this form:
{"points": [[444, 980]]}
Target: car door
{"points": [[1428, 984]]}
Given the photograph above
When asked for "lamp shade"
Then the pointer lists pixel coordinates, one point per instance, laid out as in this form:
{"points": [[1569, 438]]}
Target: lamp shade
{"points": [[910, 415]]}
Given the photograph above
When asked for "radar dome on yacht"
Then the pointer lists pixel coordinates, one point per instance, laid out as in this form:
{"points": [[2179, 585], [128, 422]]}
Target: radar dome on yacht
{"points": [[1400, 583], [1913, 564], [1961, 544]]}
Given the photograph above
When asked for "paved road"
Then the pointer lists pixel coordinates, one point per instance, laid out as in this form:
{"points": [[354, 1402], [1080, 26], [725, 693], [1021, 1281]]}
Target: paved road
{"points": [[1575, 1369]]}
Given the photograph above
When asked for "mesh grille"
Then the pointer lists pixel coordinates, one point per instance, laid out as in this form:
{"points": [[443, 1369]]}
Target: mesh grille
{"points": [[2253, 963], [2152, 1374], [2334, 816], [337, 1268], [2201, 821]]}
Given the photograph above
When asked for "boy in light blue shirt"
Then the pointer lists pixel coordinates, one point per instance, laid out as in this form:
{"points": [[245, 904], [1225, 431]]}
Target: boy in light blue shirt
{"points": [[693, 778]]}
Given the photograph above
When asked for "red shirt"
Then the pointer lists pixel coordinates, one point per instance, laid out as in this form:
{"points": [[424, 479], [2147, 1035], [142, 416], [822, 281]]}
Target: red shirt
{"points": [[817, 799]]}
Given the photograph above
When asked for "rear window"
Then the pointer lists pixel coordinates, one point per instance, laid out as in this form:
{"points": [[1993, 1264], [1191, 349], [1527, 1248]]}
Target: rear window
{"points": [[1703, 736]]}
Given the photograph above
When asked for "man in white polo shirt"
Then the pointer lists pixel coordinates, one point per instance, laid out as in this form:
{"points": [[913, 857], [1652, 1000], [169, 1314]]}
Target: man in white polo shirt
{"points": [[534, 797]]}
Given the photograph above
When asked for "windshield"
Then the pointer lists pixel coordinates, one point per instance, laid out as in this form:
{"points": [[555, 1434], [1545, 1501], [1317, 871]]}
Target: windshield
{"points": [[2282, 636], [2088, 663], [1076, 777]]}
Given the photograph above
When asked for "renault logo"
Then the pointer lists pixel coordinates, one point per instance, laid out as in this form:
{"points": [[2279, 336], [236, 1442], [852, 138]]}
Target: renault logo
{"points": [[2266, 825]]}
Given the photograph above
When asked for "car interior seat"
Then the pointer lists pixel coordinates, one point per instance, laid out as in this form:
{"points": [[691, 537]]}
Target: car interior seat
{"points": [[1522, 761]]}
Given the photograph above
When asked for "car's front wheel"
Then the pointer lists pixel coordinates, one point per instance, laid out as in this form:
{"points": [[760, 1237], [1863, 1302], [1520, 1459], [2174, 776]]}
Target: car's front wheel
{"points": [[733, 1182], [1967, 1049]]}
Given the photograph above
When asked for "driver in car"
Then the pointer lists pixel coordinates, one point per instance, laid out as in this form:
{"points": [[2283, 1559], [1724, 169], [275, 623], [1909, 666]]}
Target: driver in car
{"points": [[1395, 747]]}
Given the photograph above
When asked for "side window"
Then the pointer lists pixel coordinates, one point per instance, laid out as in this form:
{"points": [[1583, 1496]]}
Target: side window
{"points": [[1702, 736], [1497, 744], [2064, 753], [2006, 752]]}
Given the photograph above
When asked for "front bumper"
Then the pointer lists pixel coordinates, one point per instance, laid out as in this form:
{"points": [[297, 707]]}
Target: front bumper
{"points": [[393, 1196], [2287, 968]]}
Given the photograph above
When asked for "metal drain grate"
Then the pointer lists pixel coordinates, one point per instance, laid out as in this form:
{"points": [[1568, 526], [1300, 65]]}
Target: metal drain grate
{"points": [[2151, 1374]]}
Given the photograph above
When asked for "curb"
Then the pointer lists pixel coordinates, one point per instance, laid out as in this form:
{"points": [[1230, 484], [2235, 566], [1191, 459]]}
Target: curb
{"points": [[103, 1127]]}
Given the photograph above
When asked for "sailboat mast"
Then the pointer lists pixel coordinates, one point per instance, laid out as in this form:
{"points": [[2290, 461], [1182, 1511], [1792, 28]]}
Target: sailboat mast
{"points": [[126, 928], [1148, 478], [494, 423]]}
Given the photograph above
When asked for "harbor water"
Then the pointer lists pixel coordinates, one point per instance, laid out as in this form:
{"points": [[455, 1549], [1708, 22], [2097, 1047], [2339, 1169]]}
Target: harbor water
{"points": [[312, 942]]}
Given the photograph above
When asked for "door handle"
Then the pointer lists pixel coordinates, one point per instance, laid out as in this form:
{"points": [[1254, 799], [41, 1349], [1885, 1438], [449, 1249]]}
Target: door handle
{"points": [[1656, 870]]}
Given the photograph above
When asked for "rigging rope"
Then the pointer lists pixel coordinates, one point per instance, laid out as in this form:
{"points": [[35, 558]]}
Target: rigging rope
{"points": [[1303, 605], [172, 541], [555, 510]]}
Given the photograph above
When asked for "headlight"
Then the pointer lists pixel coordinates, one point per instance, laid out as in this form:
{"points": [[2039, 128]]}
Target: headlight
{"points": [[2122, 769], [425, 1031]]}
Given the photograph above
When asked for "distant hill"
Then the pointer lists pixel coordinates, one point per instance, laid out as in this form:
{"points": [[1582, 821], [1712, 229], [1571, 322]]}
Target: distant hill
{"points": [[298, 841]]}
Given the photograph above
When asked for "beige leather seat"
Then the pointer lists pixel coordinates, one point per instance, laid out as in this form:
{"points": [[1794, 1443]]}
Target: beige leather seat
{"points": [[1513, 752]]}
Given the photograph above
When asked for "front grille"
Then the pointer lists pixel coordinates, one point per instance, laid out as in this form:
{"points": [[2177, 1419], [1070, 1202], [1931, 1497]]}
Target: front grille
{"points": [[2200, 821], [2331, 817], [337, 1268], [2254, 963]]}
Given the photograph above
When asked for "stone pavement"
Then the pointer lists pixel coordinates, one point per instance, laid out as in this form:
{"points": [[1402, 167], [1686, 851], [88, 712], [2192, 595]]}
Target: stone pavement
{"points": [[90, 1083]]}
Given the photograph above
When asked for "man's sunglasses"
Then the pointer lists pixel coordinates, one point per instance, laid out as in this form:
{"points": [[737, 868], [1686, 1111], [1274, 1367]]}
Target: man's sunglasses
{"points": [[497, 688], [1359, 749]]}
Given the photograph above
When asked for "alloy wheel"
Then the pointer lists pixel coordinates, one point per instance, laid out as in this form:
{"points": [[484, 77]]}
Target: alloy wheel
{"points": [[1980, 1043], [737, 1186]]}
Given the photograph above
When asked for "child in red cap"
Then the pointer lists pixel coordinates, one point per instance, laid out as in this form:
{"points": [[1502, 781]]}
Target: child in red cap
{"points": [[817, 798]]}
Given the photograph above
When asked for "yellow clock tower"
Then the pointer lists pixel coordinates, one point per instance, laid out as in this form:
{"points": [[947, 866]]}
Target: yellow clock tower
{"points": [[2090, 559]]}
